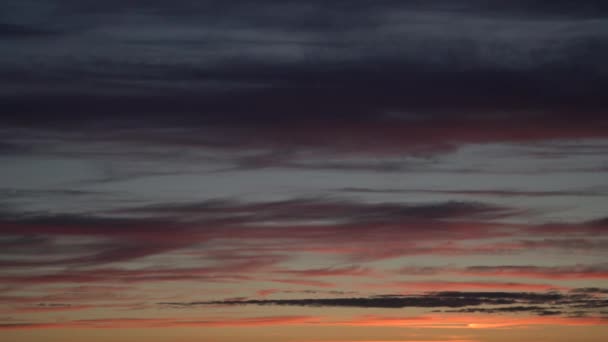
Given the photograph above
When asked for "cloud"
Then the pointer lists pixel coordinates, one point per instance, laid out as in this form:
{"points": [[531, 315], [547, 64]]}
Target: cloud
{"points": [[566, 272], [8, 31], [439, 285], [76, 296], [489, 193], [304, 282], [538, 303], [591, 290], [285, 86], [437, 299], [269, 292], [52, 307], [222, 272], [326, 208], [355, 271], [558, 272], [317, 143], [9, 148], [354, 231], [117, 323], [538, 310], [142, 94]]}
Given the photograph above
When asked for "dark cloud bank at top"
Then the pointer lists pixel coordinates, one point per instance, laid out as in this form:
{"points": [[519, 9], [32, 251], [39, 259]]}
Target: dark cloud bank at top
{"points": [[307, 74]]}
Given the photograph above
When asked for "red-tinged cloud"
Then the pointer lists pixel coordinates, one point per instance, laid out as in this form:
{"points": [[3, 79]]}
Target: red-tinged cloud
{"points": [[354, 229], [305, 142], [304, 282], [119, 240], [255, 241], [427, 286], [285, 143], [557, 272], [267, 292], [390, 137], [351, 271], [598, 227], [572, 272], [242, 228]]}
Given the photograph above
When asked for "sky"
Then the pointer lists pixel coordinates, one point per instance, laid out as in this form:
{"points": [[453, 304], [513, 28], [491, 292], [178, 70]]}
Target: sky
{"points": [[303, 171]]}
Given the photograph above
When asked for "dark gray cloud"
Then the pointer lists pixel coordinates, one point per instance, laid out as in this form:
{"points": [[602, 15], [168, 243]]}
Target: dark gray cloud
{"points": [[185, 64], [8, 148], [542, 304], [538, 310], [591, 290], [434, 300], [8, 31], [40, 235], [341, 211], [490, 192]]}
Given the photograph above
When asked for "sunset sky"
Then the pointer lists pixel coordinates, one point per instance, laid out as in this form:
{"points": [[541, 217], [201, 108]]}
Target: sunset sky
{"points": [[303, 171]]}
